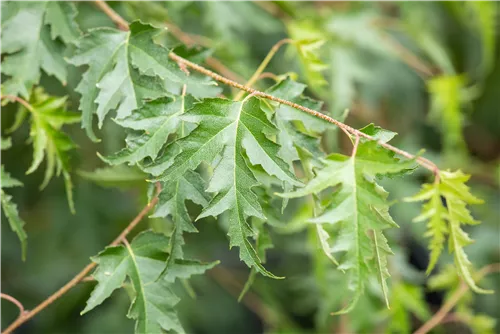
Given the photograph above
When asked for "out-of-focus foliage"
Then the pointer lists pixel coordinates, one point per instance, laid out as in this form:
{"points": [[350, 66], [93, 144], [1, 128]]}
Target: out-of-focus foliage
{"points": [[427, 70]]}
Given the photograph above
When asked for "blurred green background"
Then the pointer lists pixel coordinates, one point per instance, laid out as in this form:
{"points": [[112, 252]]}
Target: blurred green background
{"points": [[427, 70]]}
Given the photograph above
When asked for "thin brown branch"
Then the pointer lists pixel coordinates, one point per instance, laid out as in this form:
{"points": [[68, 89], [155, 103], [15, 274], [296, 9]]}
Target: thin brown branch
{"points": [[454, 299], [422, 161], [114, 16], [17, 99], [82, 274]]}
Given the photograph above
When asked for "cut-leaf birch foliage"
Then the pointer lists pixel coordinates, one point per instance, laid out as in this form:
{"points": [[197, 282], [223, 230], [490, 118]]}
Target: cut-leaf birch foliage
{"points": [[446, 211], [48, 115], [359, 210], [142, 261], [32, 39], [124, 69], [238, 131]]}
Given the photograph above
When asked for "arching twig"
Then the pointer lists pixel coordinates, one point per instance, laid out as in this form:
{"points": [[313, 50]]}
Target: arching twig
{"points": [[82, 274]]}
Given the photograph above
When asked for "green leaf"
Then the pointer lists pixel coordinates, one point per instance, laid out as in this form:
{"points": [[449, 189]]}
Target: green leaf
{"points": [[10, 209], [6, 143], [28, 45], [142, 261], [153, 123], [125, 68], [446, 92], [172, 202], [291, 135], [115, 176], [48, 115], [407, 299], [485, 20], [233, 129], [446, 210], [359, 211], [308, 41]]}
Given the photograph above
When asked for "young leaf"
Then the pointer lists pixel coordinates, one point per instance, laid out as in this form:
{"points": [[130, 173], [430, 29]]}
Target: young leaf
{"points": [[446, 210], [360, 208], [308, 41], [10, 209], [6, 143], [48, 115], [231, 128], [142, 261], [124, 69], [31, 45]]}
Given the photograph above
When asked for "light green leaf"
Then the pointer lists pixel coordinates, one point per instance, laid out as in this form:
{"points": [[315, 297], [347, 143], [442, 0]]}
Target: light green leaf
{"points": [[446, 210], [48, 115], [359, 211], [446, 110], [10, 209], [61, 18], [142, 262], [115, 176], [485, 20], [6, 143], [308, 41]]}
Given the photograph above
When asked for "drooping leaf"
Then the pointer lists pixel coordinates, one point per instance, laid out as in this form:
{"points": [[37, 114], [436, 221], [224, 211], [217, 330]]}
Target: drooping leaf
{"points": [[48, 115], [142, 261], [10, 208], [231, 129], [124, 69], [30, 44], [359, 211], [446, 210]]}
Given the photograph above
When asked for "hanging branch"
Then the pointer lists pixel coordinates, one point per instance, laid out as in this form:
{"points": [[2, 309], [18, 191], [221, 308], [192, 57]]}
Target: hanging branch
{"points": [[25, 316]]}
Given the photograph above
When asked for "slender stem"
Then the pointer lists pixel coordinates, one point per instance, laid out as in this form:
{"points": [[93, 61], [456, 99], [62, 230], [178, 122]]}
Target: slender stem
{"points": [[346, 128], [18, 99], [15, 302], [114, 16], [82, 274], [422, 161], [454, 299], [191, 40], [263, 65]]}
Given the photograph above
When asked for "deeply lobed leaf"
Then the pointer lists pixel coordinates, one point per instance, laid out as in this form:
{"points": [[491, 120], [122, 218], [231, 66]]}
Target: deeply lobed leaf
{"points": [[446, 211], [358, 211], [142, 261]]}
